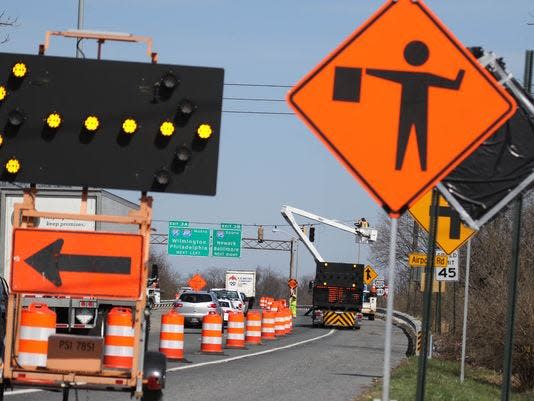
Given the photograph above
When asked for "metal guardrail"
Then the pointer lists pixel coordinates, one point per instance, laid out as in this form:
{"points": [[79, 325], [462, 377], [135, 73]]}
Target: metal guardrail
{"points": [[412, 327]]}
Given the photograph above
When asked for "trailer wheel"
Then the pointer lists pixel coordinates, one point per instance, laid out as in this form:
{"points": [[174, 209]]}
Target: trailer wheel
{"points": [[371, 317], [152, 395]]}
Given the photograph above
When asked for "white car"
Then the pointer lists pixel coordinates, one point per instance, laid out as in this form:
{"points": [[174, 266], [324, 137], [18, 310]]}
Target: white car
{"points": [[226, 306], [233, 296]]}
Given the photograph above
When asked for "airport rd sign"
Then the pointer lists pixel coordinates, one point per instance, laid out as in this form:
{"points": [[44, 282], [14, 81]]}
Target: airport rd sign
{"points": [[186, 241], [226, 242], [401, 102], [416, 259], [64, 262]]}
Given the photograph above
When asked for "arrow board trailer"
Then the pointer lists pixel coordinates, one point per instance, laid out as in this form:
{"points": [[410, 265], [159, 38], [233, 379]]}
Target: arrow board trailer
{"points": [[78, 314], [110, 268], [338, 295]]}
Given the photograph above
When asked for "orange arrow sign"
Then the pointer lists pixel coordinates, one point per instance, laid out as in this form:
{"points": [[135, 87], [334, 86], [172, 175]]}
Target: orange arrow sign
{"points": [[76, 263]]}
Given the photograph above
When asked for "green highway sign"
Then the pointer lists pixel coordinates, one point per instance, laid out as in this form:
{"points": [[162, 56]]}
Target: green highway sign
{"points": [[226, 243], [186, 241], [231, 226]]}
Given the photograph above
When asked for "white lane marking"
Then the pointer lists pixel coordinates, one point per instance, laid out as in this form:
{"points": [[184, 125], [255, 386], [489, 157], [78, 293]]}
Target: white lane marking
{"points": [[235, 358], [17, 392]]}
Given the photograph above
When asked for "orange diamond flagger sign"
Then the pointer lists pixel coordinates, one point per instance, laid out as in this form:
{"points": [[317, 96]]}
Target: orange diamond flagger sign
{"points": [[400, 103]]}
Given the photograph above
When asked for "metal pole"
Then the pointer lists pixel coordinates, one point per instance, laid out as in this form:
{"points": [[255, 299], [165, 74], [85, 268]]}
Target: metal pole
{"points": [[438, 317], [389, 312], [454, 307], [79, 26], [529, 67], [466, 303], [512, 296], [292, 260], [427, 302], [415, 241]]}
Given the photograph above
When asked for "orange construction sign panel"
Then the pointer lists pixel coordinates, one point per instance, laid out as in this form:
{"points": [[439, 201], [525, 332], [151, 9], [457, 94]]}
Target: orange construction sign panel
{"points": [[400, 103], [76, 263], [292, 283], [452, 233], [197, 282]]}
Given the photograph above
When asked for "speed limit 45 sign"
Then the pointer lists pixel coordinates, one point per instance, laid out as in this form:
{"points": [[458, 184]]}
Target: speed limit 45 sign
{"points": [[449, 273]]}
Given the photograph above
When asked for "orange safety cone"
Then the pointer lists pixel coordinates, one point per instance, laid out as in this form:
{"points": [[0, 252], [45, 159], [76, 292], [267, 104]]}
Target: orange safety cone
{"points": [[119, 339], [268, 325], [211, 338], [171, 337], [37, 323], [235, 337], [253, 327], [279, 324]]}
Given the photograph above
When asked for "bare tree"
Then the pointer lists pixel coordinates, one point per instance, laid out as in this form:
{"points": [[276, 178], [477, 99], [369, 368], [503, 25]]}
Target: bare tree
{"points": [[6, 21]]}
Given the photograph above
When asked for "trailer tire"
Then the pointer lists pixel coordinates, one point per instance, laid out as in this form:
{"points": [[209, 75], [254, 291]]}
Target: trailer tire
{"points": [[152, 395], [371, 317]]}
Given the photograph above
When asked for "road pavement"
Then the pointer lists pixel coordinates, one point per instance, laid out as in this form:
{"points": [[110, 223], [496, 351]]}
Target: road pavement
{"points": [[311, 364]]}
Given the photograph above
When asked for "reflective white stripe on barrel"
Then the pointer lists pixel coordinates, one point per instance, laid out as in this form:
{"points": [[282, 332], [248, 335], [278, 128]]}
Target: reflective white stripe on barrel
{"points": [[30, 359], [236, 336], [116, 350], [171, 344], [212, 326], [236, 325], [122, 331], [172, 328], [269, 321], [267, 329], [254, 323], [211, 340], [35, 333]]}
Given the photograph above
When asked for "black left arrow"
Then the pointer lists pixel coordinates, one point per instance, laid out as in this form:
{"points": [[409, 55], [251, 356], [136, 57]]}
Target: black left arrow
{"points": [[49, 262]]}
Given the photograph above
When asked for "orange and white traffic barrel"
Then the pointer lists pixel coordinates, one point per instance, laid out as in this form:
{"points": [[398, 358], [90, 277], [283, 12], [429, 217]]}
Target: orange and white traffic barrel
{"points": [[268, 325], [279, 324], [253, 335], [119, 339], [263, 302], [211, 338], [288, 320], [235, 337], [171, 337], [37, 323], [269, 303], [274, 306]]}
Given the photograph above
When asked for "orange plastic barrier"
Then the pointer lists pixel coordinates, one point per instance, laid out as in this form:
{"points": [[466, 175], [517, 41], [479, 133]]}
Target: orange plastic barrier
{"points": [[274, 307], [263, 302], [235, 330], [171, 337], [280, 324], [211, 338], [253, 327], [119, 339], [268, 326], [37, 323]]}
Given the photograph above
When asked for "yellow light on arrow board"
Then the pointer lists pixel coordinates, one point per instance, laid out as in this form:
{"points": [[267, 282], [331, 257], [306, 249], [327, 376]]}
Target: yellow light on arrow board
{"points": [[166, 128], [129, 126], [91, 123], [13, 166], [1, 139], [53, 120], [204, 131], [3, 93], [19, 70]]}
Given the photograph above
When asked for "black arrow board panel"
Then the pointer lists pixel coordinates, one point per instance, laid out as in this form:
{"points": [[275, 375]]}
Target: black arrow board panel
{"points": [[112, 91]]}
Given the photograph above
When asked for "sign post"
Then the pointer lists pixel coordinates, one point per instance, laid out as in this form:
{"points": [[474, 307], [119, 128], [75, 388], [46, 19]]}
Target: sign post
{"points": [[466, 304], [427, 302]]}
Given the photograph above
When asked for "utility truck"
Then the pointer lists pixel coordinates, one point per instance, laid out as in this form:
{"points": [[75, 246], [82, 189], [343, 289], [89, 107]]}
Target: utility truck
{"points": [[338, 288]]}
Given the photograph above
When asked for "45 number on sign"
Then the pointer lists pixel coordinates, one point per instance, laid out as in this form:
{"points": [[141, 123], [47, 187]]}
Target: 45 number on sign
{"points": [[449, 273]]}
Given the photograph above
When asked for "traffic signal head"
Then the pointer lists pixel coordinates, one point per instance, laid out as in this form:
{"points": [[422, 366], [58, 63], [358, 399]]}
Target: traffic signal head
{"points": [[110, 124], [312, 234]]}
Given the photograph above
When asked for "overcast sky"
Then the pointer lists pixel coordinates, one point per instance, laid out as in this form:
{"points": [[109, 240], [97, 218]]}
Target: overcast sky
{"points": [[265, 160]]}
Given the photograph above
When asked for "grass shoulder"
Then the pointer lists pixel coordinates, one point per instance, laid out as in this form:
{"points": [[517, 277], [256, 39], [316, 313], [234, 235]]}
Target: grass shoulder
{"points": [[443, 383]]}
